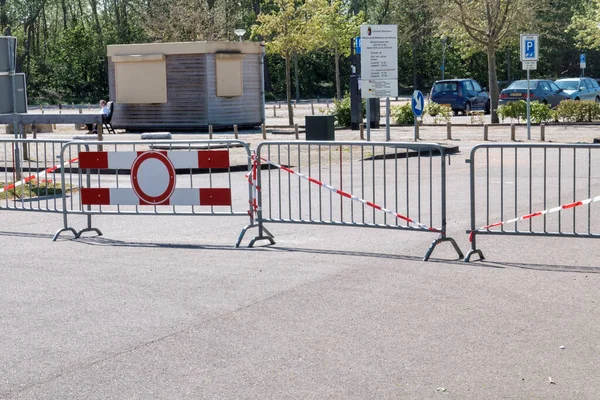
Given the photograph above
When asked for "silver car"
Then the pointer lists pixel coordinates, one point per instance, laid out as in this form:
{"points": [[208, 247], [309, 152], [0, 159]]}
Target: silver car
{"points": [[580, 88]]}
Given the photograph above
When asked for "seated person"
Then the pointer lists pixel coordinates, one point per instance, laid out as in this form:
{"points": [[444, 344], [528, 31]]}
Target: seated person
{"points": [[93, 128]]}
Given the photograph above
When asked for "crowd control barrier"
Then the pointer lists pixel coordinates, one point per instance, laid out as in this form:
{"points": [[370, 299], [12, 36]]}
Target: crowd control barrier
{"points": [[534, 190], [30, 174], [399, 186], [159, 177]]}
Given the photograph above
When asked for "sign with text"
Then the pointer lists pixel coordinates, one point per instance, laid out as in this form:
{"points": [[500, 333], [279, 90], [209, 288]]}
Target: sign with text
{"points": [[376, 88], [379, 51], [530, 47], [529, 65]]}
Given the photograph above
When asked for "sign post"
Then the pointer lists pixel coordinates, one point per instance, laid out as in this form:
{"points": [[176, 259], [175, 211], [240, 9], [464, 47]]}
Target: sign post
{"points": [[582, 63], [530, 49], [379, 66], [418, 106]]}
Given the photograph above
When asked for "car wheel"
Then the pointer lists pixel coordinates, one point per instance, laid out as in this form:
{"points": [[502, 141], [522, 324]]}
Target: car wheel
{"points": [[455, 112], [577, 99], [545, 102], [597, 99], [487, 107], [467, 108]]}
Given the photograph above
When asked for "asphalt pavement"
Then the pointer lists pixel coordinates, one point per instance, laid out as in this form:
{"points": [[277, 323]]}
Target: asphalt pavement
{"points": [[163, 307]]}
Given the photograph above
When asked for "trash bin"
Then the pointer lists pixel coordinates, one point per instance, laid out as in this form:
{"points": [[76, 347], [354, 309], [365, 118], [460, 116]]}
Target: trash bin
{"points": [[320, 127]]}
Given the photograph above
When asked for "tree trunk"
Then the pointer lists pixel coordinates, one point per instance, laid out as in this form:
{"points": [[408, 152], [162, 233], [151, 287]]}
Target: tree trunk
{"points": [[338, 84], [288, 88], [493, 82], [296, 81]]}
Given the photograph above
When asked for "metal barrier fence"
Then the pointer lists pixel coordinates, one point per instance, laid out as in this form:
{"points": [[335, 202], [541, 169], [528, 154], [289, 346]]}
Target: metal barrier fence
{"points": [[30, 175], [534, 190], [387, 185], [159, 177]]}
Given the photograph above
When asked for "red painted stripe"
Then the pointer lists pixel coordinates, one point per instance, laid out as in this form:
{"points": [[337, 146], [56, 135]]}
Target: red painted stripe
{"points": [[164, 203], [404, 218], [95, 196], [492, 225], [566, 206], [314, 181], [344, 194], [93, 159], [215, 197], [375, 206], [535, 214], [213, 159]]}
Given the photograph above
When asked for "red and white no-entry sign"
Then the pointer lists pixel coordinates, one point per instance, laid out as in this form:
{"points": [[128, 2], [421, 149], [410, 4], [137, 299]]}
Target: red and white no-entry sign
{"points": [[154, 178]]}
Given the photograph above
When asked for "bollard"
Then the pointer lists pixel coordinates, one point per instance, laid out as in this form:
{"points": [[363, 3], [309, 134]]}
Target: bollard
{"points": [[274, 112], [312, 107], [263, 128], [89, 106], [485, 132], [294, 103], [278, 105], [60, 108], [210, 132], [543, 132], [235, 132], [417, 130], [80, 111], [449, 130], [296, 131], [72, 106], [34, 130], [362, 131], [512, 132]]}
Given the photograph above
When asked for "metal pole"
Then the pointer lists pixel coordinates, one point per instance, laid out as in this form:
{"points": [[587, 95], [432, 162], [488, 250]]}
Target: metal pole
{"points": [[368, 120], [387, 119], [443, 57], [528, 110]]}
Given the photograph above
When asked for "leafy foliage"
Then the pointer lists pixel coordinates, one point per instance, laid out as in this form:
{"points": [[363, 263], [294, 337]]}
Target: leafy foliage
{"points": [[402, 114], [578, 111], [342, 111]]}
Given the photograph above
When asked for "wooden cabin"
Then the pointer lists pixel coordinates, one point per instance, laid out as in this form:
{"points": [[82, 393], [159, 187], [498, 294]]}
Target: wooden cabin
{"points": [[186, 86]]}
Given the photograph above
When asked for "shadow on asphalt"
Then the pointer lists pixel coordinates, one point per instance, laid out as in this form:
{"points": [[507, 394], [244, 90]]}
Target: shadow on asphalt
{"points": [[102, 241]]}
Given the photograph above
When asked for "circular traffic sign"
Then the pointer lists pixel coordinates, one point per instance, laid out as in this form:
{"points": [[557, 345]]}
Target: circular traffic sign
{"points": [[418, 103], [153, 177]]}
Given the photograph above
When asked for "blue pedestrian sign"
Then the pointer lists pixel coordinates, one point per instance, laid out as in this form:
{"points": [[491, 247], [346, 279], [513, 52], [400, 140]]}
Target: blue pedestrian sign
{"points": [[530, 47], [582, 61], [418, 103]]}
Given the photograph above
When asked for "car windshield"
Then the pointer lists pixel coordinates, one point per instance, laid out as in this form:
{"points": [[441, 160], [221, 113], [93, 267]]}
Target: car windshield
{"points": [[522, 85], [445, 87], [568, 85]]}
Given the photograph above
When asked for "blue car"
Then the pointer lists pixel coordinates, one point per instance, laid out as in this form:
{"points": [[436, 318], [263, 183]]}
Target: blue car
{"points": [[580, 88], [462, 95], [543, 90]]}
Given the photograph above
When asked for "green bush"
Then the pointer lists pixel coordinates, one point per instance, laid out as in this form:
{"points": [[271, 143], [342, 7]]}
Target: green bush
{"points": [[578, 111], [438, 112], [539, 112], [402, 114], [513, 109], [342, 112]]}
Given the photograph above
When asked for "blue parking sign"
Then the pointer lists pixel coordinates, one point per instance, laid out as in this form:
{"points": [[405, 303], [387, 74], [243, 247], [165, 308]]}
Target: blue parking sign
{"points": [[530, 48]]}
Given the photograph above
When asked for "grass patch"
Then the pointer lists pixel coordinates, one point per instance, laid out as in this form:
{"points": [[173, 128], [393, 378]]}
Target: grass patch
{"points": [[33, 189]]}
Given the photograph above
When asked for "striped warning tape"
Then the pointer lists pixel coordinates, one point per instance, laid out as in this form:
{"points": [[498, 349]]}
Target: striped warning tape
{"points": [[33, 177], [341, 193], [538, 213]]}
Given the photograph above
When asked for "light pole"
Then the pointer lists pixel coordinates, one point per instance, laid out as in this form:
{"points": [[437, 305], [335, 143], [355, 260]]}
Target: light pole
{"points": [[444, 40], [240, 32]]}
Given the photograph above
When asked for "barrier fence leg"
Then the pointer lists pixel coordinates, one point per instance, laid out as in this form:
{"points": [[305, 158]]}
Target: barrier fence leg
{"points": [[63, 187], [439, 240], [474, 249]]}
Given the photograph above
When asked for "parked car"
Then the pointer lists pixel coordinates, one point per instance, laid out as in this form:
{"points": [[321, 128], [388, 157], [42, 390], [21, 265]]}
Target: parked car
{"points": [[462, 95], [543, 90], [580, 88]]}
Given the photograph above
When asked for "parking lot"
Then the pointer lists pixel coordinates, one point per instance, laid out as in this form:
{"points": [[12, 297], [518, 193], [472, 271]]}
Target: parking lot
{"points": [[166, 307]]}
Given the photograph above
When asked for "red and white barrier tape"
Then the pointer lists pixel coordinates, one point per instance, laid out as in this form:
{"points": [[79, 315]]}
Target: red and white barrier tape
{"points": [[538, 213], [345, 194], [33, 177]]}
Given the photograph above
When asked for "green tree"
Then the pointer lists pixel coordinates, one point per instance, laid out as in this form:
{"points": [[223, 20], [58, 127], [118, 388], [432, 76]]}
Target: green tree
{"points": [[338, 26], [486, 25], [289, 29]]}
